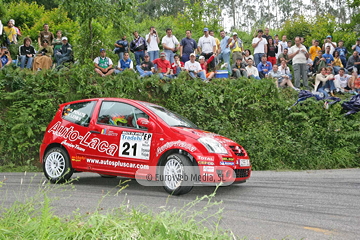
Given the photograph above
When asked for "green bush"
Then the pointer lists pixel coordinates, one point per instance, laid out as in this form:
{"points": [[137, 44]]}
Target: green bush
{"points": [[253, 113]]}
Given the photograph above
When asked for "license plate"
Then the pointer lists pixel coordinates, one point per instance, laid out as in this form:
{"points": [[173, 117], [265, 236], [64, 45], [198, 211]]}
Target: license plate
{"points": [[244, 162]]}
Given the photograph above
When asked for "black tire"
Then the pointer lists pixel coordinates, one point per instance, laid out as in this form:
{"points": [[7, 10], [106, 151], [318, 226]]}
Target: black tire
{"points": [[107, 176], [183, 166], [56, 165]]}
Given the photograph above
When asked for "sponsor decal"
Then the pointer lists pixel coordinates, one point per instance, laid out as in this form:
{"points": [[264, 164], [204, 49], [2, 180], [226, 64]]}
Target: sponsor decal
{"points": [[243, 162], [71, 135], [208, 168], [108, 132], [77, 158], [178, 143], [116, 163], [135, 145], [205, 158], [227, 163], [227, 159], [205, 163], [74, 114]]}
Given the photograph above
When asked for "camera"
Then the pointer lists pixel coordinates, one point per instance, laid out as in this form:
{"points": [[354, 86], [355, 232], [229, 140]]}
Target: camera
{"points": [[154, 31], [6, 52]]}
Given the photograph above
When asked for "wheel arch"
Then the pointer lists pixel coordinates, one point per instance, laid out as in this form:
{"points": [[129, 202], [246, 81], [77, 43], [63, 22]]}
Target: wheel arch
{"points": [[164, 156], [52, 145]]}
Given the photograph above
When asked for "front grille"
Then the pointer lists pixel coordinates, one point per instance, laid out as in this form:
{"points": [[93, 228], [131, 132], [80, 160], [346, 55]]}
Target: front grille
{"points": [[241, 173], [237, 150]]}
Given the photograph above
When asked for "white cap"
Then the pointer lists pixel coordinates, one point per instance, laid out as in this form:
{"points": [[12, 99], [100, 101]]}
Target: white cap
{"points": [[234, 33], [201, 57], [64, 38]]}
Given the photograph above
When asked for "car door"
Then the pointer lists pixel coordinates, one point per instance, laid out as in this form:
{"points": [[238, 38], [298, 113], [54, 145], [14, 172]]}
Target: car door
{"points": [[123, 146]]}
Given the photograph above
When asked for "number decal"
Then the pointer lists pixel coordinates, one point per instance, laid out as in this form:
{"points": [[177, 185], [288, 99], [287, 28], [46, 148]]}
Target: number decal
{"points": [[135, 145]]}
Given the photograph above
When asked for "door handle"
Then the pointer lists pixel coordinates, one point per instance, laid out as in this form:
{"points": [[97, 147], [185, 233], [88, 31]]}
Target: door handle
{"points": [[97, 132]]}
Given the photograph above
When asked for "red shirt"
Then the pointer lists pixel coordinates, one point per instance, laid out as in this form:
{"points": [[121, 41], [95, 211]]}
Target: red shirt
{"points": [[174, 66], [163, 64], [203, 66]]}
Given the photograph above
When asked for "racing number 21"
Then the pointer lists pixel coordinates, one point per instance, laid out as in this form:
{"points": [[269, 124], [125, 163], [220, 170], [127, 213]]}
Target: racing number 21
{"points": [[127, 147]]}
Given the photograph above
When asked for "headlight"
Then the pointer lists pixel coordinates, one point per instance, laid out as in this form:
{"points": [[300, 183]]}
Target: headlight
{"points": [[212, 145]]}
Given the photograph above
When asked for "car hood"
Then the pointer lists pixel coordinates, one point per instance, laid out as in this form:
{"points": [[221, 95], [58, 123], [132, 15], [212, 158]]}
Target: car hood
{"points": [[198, 133]]}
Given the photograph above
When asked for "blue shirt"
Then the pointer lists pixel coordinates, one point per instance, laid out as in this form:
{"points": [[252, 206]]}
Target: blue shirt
{"points": [[223, 44], [328, 57], [262, 66], [189, 45], [357, 48], [342, 51], [125, 64], [4, 60]]}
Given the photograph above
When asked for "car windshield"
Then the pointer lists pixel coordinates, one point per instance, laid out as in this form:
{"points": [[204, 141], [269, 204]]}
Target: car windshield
{"points": [[171, 118]]}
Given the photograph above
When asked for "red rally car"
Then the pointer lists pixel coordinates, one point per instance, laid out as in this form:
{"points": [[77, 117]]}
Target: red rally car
{"points": [[135, 139]]}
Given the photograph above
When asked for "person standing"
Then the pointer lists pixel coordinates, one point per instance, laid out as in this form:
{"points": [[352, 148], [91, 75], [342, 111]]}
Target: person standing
{"points": [[10, 33], [342, 52], [187, 46], [27, 53], [153, 40], [103, 64], [299, 54], [57, 43], [266, 34], [207, 47], [121, 46], [328, 42], [170, 45], [138, 47], [45, 35], [260, 47], [314, 49], [225, 49], [236, 46]]}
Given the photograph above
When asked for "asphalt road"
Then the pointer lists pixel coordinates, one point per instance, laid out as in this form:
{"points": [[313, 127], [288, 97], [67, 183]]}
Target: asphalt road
{"points": [[316, 205]]}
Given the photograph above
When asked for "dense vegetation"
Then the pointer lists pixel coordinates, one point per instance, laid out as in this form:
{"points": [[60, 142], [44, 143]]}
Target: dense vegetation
{"points": [[254, 113]]}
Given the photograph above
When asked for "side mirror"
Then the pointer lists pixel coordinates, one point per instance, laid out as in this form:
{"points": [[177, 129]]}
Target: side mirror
{"points": [[143, 122]]}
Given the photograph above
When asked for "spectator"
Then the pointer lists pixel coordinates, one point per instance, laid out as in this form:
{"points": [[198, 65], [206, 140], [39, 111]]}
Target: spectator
{"points": [[18, 32], [225, 49], [341, 81], [65, 54], [238, 69], [310, 64], [356, 47], [177, 66], [299, 54], [319, 62], [27, 53], [289, 44], [207, 47], [187, 46], [271, 51], [264, 67], [266, 34], [337, 64], [5, 57], [328, 57], [204, 66], [10, 32], [353, 62], [354, 82], [103, 64], [281, 79], [314, 49], [342, 52], [247, 56], [283, 44], [121, 46], [45, 35], [163, 66], [325, 80], [124, 64], [138, 47], [252, 71], [170, 45], [328, 42], [153, 40], [146, 68], [194, 69], [260, 47], [236, 46], [57, 43], [284, 56], [284, 69], [43, 58]]}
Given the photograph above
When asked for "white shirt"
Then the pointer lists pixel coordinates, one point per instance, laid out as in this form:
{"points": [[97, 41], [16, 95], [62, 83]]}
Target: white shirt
{"points": [[284, 70], [300, 57], [170, 42], [261, 46], [282, 46], [97, 60], [341, 82], [252, 71], [195, 66], [207, 44], [332, 49], [153, 45]]}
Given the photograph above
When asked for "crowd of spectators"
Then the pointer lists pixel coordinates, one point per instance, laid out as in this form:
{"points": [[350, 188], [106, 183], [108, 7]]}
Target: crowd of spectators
{"points": [[326, 62]]}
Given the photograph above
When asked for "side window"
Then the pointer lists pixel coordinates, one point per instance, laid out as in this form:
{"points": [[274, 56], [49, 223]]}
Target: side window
{"points": [[79, 113], [120, 114]]}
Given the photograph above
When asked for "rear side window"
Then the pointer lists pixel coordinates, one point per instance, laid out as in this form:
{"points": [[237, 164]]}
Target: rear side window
{"points": [[79, 113]]}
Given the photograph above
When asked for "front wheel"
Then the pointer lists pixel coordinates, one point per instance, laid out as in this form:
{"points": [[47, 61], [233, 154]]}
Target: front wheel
{"points": [[57, 167], [177, 174]]}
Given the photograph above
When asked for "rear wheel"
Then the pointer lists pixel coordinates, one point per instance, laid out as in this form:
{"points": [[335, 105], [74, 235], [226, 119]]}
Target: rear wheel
{"points": [[177, 174], [57, 167]]}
